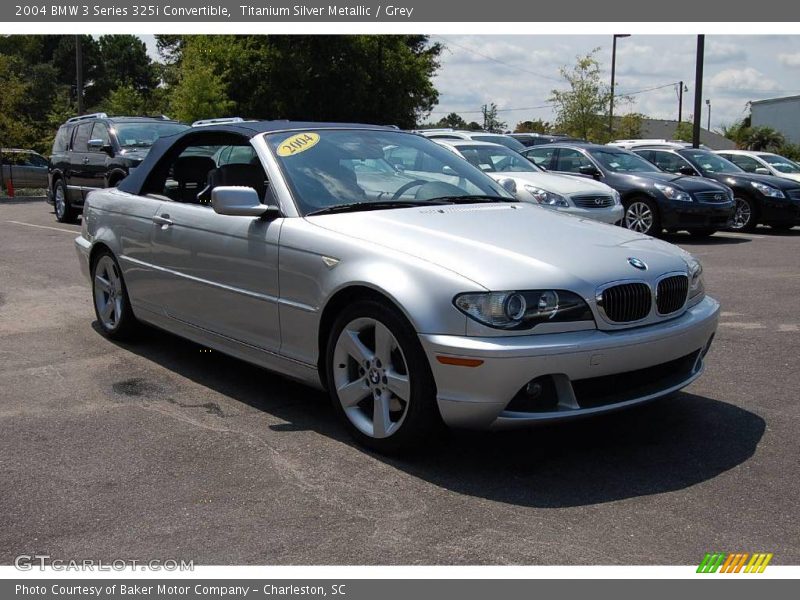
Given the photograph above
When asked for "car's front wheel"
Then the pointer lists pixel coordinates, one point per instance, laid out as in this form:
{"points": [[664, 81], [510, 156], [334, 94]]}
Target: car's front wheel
{"points": [[745, 216], [111, 303], [380, 381], [641, 215], [65, 212]]}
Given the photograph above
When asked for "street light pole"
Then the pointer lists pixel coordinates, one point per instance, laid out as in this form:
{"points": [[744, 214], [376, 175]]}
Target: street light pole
{"points": [[680, 102], [708, 103], [613, 75], [698, 90], [79, 73]]}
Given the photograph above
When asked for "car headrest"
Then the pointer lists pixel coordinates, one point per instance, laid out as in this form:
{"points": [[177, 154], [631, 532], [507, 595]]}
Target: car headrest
{"points": [[192, 168], [238, 174]]}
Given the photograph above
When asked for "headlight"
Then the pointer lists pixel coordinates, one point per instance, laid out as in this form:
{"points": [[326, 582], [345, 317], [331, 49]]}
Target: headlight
{"points": [[523, 310], [616, 196], [672, 194], [544, 197], [696, 286], [767, 190]]}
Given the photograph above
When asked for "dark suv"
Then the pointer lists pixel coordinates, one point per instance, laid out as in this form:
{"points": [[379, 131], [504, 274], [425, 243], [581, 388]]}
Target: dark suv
{"points": [[767, 199], [97, 151], [653, 200]]}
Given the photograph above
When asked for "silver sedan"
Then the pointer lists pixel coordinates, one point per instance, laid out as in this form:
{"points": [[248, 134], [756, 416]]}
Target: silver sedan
{"points": [[382, 267]]}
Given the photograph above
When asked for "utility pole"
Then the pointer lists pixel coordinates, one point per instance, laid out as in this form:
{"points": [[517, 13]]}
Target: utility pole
{"points": [[708, 103], [698, 90], [79, 72], [680, 102], [613, 75]]}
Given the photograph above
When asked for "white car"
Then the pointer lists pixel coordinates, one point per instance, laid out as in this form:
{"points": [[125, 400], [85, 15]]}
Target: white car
{"points": [[763, 163], [476, 136], [573, 195]]}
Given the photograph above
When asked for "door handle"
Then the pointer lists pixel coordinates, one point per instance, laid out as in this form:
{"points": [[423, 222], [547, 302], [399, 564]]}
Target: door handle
{"points": [[163, 220], [86, 160]]}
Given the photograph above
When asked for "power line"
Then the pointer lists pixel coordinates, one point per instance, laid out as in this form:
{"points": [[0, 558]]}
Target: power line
{"points": [[497, 60]]}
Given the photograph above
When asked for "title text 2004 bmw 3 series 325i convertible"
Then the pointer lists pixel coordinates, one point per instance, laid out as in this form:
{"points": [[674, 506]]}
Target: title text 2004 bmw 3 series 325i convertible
{"points": [[382, 267]]}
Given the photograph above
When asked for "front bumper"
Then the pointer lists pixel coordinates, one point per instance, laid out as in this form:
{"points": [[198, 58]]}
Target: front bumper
{"points": [[477, 397], [83, 247], [610, 215], [696, 215]]}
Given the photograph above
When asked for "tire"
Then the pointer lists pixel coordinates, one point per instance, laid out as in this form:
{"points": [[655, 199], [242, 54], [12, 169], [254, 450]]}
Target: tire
{"points": [[406, 417], [641, 215], [781, 226], [65, 212], [112, 307], [745, 217], [702, 233]]}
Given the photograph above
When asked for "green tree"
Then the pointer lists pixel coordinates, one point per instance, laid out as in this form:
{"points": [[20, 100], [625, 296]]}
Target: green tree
{"points": [[16, 129], [535, 126], [383, 79], [738, 132], [200, 92], [491, 122], [764, 139], [684, 131], [582, 110], [124, 63], [125, 100], [790, 151], [629, 126], [453, 120]]}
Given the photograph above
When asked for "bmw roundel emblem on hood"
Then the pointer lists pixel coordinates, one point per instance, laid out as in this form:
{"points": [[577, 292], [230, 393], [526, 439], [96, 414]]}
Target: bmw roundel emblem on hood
{"points": [[635, 262]]}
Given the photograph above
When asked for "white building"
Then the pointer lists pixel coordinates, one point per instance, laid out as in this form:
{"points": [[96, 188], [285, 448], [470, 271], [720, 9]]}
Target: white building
{"points": [[782, 114]]}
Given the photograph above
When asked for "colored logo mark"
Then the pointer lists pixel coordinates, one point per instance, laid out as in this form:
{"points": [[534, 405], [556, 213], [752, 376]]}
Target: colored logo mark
{"points": [[738, 562]]}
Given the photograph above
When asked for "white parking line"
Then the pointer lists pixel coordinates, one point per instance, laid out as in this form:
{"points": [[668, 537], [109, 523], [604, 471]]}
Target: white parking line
{"points": [[740, 325], [72, 231], [790, 328]]}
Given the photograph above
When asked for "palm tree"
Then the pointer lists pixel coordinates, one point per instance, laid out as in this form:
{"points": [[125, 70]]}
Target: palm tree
{"points": [[764, 139]]}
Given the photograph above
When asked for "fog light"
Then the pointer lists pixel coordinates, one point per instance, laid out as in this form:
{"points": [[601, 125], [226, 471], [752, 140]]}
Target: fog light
{"points": [[538, 395]]}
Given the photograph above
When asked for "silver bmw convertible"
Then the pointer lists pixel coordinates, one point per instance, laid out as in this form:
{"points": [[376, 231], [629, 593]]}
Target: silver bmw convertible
{"points": [[382, 267]]}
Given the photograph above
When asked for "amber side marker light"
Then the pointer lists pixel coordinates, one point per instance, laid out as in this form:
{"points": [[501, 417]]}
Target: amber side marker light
{"points": [[459, 362]]}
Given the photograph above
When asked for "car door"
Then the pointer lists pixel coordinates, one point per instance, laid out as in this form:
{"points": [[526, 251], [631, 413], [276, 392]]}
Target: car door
{"points": [[38, 167], [569, 160], [670, 162], [96, 159], [747, 163], [77, 174], [541, 157], [219, 272]]}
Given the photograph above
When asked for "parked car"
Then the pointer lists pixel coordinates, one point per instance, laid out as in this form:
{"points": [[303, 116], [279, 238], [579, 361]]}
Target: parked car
{"points": [[539, 139], [763, 163], [478, 136], [572, 195], [653, 200], [773, 201], [415, 300], [97, 151], [651, 143], [23, 168]]}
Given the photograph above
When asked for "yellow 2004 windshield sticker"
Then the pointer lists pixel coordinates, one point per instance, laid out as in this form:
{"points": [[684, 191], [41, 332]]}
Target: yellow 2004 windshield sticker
{"points": [[297, 143]]}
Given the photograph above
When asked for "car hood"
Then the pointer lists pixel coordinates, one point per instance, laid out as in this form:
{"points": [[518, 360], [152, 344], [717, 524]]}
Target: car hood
{"points": [[685, 182], [778, 182], [560, 184], [512, 245]]}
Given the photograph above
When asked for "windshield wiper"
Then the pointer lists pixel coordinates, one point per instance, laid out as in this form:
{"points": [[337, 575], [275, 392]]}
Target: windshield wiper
{"points": [[472, 199], [381, 205]]}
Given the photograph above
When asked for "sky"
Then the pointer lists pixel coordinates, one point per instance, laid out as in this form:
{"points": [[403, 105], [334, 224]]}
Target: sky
{"points": [[519, 72]]}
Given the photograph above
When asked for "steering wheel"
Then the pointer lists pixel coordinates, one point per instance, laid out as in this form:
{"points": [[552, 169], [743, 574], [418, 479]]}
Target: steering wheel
{"points": [[407, 186]]}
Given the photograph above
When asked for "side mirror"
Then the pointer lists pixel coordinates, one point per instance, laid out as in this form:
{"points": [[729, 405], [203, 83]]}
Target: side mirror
{"points": [[589, 170], [450, 171], [686, 170], [98, 145], [240, 202], [762, 171]]}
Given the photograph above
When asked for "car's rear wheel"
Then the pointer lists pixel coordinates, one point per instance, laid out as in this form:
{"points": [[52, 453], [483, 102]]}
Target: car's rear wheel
{"points": [[745, 217], [65, 212], [641, 215], [380, 381], [111, 303]]}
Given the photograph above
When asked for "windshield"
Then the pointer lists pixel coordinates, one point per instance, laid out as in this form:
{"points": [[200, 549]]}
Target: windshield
{"points": [[503, 140], [708, 162], [340, 167], [144, 135], [491, 158], [619, 161], [779, 163]]}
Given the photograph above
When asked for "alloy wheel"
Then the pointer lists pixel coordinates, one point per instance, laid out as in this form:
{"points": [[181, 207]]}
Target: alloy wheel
{"points": [[371, 377], [108, 292], [742, 214], [639, 217], [60, 202]]}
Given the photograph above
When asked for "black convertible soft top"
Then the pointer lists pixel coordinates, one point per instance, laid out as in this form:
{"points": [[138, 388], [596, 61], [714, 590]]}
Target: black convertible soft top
{"points": [[212, 135]]}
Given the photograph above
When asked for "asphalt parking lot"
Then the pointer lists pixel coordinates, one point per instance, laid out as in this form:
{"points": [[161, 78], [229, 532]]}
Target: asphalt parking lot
{"points": [[159, 450]]}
